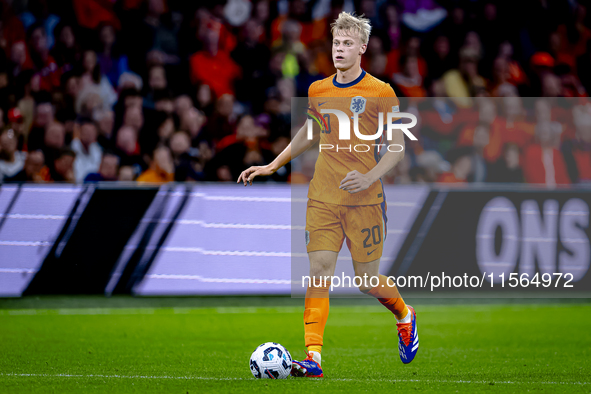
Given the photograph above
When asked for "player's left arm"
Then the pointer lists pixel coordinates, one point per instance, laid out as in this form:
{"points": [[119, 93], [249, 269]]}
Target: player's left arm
{"points": [[355, 181]]}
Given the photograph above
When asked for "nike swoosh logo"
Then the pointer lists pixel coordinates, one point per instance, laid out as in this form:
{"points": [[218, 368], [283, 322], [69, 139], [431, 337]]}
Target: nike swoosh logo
{"points": [[368, 253], [319, 104], [311, 322]]}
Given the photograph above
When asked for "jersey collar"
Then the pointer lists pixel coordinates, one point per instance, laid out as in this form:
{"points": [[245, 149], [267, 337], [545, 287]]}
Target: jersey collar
{"points": [[352, 83]]}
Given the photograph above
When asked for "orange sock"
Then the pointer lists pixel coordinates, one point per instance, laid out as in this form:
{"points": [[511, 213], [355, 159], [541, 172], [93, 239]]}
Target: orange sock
{"points": [[390, 298], [315, 316]]}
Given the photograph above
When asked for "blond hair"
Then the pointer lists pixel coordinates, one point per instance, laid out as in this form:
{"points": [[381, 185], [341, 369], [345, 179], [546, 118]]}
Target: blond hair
{"points": [[349, 23]]}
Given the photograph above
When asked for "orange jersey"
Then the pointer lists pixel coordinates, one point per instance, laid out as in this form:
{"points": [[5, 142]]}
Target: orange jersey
{"points": [[367, 96]]}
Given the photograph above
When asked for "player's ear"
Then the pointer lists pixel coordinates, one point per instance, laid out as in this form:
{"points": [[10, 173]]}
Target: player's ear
{"points": [[363, 49]]}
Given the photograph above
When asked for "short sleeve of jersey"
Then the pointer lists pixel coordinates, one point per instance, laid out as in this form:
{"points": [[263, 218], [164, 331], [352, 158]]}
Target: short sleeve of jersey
{"points": [[312, 110], [388, 102], [311, 97]]}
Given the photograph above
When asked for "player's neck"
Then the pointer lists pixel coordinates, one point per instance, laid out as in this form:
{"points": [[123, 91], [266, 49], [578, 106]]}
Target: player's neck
{"points": [[347, 76]]}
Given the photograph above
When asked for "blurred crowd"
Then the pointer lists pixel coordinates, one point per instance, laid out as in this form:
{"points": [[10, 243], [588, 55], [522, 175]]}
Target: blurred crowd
{"points": [[173, 90]]}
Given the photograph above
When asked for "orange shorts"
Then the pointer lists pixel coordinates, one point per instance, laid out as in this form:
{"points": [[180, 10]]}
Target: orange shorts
{"points": [[364, 227]]}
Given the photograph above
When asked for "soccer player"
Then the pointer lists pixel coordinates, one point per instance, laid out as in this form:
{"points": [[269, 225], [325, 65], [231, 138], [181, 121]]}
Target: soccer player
{"points": [[346, 199]]}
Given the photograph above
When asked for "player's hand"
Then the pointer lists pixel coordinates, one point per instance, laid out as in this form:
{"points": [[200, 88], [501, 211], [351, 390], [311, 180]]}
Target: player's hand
{"points": [[355, 182], [248, 175]]}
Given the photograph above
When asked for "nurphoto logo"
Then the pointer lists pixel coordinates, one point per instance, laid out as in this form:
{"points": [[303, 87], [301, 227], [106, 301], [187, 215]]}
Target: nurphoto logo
{"points": [[357, 107]]}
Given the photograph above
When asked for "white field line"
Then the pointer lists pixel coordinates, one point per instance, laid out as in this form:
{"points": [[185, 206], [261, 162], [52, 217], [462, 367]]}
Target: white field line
{"points": [[50, 190], [248, 253], [249, 226], [31, 216], [274, 199], [25, 243], [100, 376], [18, 270], [200, 223]]}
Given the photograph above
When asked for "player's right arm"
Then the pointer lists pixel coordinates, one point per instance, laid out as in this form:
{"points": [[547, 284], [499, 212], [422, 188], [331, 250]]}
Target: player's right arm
{"points": [[297, 146]]}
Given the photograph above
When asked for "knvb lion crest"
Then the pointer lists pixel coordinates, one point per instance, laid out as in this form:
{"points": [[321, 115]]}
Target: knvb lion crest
{"points": [[358, 105]]}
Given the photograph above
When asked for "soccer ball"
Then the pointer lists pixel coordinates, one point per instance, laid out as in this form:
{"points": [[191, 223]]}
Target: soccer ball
{"points": [[270, 361]]}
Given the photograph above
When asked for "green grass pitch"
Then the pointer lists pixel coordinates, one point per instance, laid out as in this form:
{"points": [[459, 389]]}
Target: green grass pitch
{"points": [[197, 345]]}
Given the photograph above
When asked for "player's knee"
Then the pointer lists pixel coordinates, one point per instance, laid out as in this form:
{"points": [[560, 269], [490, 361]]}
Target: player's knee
{"points": [[320, 276], [319, 272], [321, 269]]}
